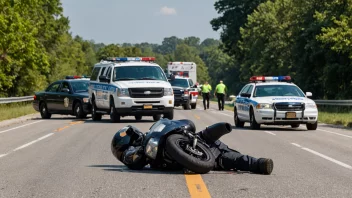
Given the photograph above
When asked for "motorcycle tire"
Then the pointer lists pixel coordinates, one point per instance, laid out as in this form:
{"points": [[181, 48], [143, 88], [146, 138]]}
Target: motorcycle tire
{"points": [[196, 165]]}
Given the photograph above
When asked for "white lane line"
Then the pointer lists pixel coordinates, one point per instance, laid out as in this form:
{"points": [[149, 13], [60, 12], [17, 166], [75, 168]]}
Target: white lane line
{"points": [[324, 156], [335, 133], [270, 132], [297, 145], [20, 126], [2, 155], [30, 143]]}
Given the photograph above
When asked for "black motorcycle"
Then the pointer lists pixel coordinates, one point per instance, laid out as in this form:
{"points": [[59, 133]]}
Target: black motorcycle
{"points": [[171, 144]]}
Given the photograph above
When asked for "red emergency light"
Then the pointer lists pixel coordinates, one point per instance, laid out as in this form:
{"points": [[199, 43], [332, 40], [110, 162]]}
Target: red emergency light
{"points": [[148, 58], [270, 78]]}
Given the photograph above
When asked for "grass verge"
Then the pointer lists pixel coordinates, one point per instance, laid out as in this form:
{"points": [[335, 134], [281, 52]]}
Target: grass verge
{"points": [[14, 110], [328, 115]]}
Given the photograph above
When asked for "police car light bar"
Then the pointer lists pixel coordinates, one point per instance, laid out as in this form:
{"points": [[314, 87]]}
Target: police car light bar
{"points": [[77, 77], [130, 58], [271, 78]]}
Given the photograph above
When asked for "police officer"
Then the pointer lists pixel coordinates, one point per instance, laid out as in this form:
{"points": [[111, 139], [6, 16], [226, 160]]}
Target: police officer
{"points": [[127, 148], [220, 91], [206, 88]]}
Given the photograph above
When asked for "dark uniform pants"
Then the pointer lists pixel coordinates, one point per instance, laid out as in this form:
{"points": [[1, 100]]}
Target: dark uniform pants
{"points": [[221, 100], [236, 161], [206, 97]]}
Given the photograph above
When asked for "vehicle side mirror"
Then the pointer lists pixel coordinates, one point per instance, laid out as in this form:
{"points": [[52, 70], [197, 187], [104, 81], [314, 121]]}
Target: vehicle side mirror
{"points": [[65, 90], [104, 79], [309, 94], [246, 95]]}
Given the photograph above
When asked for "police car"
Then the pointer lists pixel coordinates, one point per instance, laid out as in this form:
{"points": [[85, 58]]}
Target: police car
{"points": [[66, 97], [130, 86], [274, 100], [185, 92]]}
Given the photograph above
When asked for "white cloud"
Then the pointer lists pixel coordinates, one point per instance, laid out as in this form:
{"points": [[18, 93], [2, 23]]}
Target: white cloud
{"points": [[167, 11]]}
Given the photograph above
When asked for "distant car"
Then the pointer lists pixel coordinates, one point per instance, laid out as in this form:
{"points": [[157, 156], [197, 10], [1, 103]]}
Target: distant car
{"points": [[185, 92], [274, 101], [65, 97]]}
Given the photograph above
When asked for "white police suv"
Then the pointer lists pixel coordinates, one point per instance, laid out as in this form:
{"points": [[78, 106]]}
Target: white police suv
{"points": [[130, 86], [274, 100]]}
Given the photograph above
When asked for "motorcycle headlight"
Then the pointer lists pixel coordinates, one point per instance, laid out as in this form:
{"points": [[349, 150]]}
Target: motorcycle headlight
{"points": [[152, 148], [311, 106], [264, 106], [168, 92], [122, 92], [85, 100]]}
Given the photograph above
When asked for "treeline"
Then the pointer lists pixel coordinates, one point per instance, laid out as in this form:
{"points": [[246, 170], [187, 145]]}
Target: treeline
{"points": [[309, 40], [36, 48]]}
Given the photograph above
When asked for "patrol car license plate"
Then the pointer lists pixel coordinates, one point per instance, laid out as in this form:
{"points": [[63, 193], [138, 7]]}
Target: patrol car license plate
{"points": [[291, 115], [148, 106]]}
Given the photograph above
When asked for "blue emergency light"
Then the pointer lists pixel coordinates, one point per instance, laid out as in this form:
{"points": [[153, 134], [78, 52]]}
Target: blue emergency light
{"points": [[271, 78], [130, 59]]}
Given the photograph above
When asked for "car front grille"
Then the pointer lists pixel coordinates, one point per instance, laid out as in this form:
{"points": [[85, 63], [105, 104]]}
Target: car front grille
{"points": [[289, 106], [146, 92]]}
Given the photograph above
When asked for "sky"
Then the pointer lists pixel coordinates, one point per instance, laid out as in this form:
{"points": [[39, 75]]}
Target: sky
{"points": [[136, 21]]}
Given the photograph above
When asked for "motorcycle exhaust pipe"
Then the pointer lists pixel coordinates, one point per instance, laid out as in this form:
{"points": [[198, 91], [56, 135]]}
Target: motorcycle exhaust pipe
{"points": [[214, 132]]}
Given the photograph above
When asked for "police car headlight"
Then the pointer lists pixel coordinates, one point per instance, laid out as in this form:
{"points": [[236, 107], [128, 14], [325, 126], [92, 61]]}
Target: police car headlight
{"points": [[122, 92], [151, 149], [264, 106], [168, 92], [311, 106], [85, 100]]}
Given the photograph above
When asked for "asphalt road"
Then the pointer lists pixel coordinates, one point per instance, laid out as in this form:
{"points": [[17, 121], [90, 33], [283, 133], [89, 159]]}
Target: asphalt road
{"points": [[64, 157]]}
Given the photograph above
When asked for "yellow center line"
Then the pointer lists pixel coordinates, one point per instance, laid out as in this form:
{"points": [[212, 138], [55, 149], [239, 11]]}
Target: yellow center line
{"points": [[196, 116], [65, 127], [196, 186], [62, 128]]}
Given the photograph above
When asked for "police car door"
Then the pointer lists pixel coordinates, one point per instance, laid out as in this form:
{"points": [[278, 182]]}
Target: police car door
{"points": [[107, 90], [247, 103], [240, 102], [101, 88]]}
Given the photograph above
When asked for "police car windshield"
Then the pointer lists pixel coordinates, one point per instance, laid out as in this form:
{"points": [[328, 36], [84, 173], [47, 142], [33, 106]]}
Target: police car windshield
{"points": [[277, 90], [179, 83], [80, 86], [138, 73]]}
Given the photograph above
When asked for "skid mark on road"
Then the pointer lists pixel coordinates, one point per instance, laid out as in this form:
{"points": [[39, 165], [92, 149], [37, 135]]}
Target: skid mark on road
{"points": [[20, 126], [271, 133], [196, 186], [324, 156]]}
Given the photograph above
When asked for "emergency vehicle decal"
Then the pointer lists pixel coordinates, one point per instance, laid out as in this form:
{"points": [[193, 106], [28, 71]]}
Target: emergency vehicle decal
{"points": [[100, 87]]}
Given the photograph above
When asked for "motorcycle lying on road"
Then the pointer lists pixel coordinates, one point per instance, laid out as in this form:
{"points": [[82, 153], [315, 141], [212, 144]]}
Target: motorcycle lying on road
{"points": [[171, 144]]}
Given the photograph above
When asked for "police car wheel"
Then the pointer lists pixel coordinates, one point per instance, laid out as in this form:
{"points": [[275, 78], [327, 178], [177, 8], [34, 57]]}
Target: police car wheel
{"points": [[78, 111], [253, 122], [156, 117], [138, 117], [169, 115], [114, 116], [312, 126], [95, 115], [44, 111], [238, 122], [193, 106]]}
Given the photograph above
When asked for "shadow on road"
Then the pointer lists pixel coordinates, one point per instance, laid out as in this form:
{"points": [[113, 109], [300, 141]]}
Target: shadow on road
{"points": [[123, 168], [270, 128]]}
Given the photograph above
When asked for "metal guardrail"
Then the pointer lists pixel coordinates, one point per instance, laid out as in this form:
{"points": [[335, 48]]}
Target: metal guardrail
{"points": [[322, 102], [15, 99], [318, 102]]}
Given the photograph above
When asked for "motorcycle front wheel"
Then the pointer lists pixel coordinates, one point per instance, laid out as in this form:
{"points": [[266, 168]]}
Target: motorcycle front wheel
{"points": [[199, 160]]}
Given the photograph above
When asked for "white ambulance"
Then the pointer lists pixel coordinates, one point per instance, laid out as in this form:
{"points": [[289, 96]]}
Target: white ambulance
{"points": [[186, 71]]}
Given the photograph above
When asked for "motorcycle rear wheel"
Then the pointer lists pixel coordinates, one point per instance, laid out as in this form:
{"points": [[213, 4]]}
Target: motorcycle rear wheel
{"points": [[176, 147]]}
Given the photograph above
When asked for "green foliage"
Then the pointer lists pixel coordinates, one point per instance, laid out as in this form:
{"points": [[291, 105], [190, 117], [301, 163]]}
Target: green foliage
{"points": [[309, 40]]}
